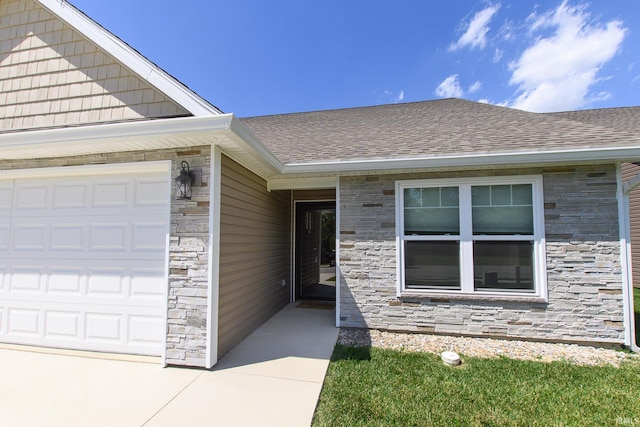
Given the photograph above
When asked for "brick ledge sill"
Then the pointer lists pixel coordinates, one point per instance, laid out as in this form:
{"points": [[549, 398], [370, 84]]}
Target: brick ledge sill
{"points": [[433, 297]]}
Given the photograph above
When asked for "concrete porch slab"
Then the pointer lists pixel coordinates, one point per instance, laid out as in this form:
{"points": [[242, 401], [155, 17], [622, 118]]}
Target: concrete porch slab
{"points": [[272, 378]]}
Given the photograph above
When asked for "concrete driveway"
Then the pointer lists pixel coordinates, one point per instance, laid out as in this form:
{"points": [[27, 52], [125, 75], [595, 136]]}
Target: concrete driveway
{"points": [[272, 378]]}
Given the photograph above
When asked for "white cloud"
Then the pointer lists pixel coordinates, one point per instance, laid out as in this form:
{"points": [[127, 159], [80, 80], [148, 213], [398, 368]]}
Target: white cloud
{"points": [[477, 29], [388, 97], [497, 55], [556, 73], [449, 88], [475, 87]]}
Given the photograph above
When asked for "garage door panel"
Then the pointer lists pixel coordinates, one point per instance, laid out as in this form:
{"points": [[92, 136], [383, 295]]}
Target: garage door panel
{"points": [[32, 236], [83, 260], [120, 282], [103, 328], [26, 279], [62, 325], [32, 195], [137, 237], [106, 282], [112, 194], [4, 278], [4, 237], [65, 281], [23, 322], [71, 195], [149, 236], [147, 284], [6, 198], [66, 236], [150, 193], [134, 330], [109, 237], [145, 330], [91, 195]]}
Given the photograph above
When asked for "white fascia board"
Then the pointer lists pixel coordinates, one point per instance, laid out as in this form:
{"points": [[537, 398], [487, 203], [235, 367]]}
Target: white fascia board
{"points": [[252, 145], [133, 60], [477, 160], [147, 129]]}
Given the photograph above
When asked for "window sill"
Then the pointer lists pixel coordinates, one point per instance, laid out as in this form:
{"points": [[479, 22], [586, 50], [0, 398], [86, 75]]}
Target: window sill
{"points": [[444, 297]]}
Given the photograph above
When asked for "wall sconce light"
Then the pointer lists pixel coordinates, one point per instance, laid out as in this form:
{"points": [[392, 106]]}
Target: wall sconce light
{"points": [[186, 180]]}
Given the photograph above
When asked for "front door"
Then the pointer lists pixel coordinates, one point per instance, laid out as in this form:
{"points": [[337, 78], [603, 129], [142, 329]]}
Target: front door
{"points": [[315, 252]]}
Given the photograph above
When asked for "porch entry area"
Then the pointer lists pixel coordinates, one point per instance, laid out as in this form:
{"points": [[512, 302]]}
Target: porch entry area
{"points": [[315, 251]]}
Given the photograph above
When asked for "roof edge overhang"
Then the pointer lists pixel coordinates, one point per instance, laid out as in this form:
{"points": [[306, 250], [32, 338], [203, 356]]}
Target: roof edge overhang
{"points": [[224, 130], [323, 174], [130, 58], [579, 155]]}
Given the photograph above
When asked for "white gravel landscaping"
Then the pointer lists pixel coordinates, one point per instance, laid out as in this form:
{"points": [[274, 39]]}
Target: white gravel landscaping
{"points": [[485, 347]]}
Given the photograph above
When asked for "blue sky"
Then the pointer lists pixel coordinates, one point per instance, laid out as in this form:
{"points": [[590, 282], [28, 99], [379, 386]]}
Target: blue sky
{"points": [[255, 57]]}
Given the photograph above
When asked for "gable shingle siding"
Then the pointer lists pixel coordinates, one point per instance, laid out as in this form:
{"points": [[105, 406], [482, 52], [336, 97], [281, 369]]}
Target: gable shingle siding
{"points": [[50, 75]]}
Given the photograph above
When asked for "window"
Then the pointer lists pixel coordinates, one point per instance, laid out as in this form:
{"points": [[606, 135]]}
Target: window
{"points": [[472, 236]]}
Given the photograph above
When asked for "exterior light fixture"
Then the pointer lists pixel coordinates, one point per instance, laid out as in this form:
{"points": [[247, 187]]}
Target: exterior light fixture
{"points": [[186, 180]]}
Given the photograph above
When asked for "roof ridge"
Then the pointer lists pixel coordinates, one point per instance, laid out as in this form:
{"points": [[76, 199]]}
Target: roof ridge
{"points": [[379, 106]]}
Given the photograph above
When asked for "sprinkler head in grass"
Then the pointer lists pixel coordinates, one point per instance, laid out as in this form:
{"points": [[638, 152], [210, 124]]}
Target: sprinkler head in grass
{"points": [[450, 358]]}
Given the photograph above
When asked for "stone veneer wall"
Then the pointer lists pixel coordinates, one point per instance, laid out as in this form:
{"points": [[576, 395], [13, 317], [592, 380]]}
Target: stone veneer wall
{"points": [[583, 264], [188, 251]]}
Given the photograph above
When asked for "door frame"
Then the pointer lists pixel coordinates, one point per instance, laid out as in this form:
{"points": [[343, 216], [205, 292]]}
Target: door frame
{"points": [[330, 204]]}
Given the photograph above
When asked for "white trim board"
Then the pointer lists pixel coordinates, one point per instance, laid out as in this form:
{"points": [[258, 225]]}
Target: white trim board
{"points": [[626, 262], [213, 295]]}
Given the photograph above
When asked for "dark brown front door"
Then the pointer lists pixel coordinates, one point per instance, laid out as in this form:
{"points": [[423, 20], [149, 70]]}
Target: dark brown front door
{"points": [[315, 250]]}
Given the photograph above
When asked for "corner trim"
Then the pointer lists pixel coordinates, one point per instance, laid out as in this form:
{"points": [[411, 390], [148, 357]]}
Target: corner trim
{"points": [[213, 296], [338, 271], [625, 260]]}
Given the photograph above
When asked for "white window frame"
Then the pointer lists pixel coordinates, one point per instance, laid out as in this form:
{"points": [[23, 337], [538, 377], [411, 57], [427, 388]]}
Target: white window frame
{"points": [[467, 238]]}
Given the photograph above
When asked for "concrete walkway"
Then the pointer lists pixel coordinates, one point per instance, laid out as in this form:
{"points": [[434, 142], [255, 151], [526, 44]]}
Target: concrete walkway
{"points": [[272, 378]]}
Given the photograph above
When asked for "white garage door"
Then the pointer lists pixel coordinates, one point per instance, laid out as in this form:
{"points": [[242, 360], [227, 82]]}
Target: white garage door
{"points": [[82, 259]]}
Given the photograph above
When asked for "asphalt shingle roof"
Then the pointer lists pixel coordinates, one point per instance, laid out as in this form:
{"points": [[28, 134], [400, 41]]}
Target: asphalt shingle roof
{"points": [[447, 127]]}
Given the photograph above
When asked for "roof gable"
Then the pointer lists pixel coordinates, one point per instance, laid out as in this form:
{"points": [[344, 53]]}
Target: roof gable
{"points": [[53, 74]]}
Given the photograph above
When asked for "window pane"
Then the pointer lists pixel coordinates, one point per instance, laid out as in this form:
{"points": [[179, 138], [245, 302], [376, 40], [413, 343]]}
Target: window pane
{"points": [[509, 211], [434, 221], [413, 197], [502, 220], [481, 195], [449, 196], [432, 265], [432, 211], [506, 266], [430, 197], [522, 194], [500, 195]]}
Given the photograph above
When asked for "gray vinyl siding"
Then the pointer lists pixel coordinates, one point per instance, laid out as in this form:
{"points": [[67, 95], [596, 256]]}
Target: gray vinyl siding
{"points": [[255, 254], [630, 170]]}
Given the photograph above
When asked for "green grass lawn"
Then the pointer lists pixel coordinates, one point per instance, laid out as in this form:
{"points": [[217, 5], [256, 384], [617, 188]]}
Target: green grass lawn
{"points": [[376, 387], [636, 309]]}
